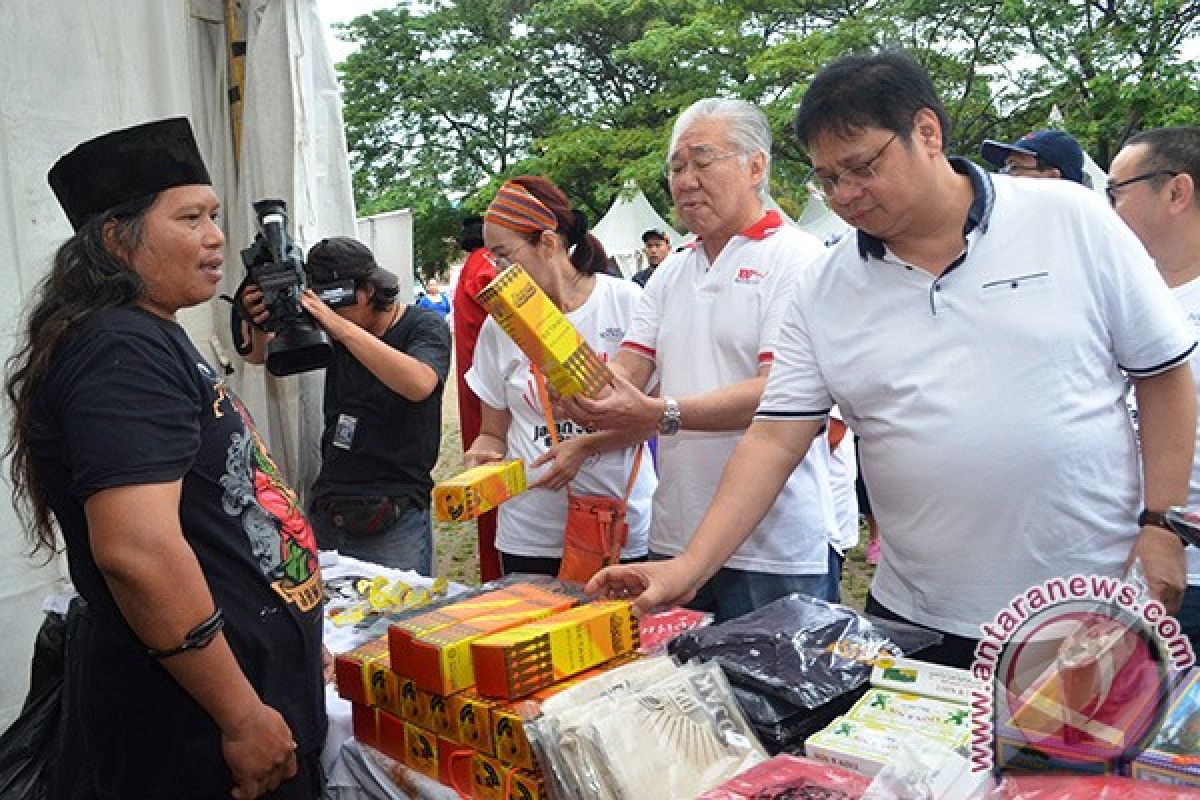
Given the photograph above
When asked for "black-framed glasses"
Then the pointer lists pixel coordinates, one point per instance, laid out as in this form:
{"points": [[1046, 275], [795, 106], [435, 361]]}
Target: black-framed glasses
{"points": [[1111, 189], [858, 176]]}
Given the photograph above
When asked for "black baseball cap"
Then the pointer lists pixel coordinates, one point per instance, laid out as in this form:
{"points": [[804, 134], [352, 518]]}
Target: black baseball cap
{"points": [[340, 258]]}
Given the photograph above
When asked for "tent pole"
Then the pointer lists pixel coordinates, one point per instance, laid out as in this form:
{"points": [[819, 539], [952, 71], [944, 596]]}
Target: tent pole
{"points": [[235, 49]]}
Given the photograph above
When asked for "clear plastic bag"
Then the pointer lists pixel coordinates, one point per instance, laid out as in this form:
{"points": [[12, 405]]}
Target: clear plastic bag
{"points": [[675, 737], [801, 649]]}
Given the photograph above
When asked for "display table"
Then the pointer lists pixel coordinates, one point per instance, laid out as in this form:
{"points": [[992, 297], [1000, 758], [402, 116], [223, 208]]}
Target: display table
{"points": [[352, 774]]}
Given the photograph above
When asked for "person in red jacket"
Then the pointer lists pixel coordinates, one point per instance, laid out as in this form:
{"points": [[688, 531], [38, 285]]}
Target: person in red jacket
{"points": [[477, 272]]}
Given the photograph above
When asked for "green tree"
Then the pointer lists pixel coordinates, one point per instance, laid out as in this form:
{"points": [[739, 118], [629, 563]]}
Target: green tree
{"points": [[445, 99]]}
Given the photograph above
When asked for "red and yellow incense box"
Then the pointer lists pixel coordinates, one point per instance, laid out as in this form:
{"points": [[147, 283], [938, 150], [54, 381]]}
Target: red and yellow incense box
{"points": [[544, 334], [477, 490]]}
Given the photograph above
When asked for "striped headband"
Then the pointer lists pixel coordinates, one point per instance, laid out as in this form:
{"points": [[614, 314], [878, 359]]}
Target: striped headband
{"points": [[518, 210]]}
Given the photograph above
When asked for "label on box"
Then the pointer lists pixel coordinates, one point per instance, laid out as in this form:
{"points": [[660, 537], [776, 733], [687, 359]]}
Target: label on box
{"points": [[951, 721], [931, 680]]}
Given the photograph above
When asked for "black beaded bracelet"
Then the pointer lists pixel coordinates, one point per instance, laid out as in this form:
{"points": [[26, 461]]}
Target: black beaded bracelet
{"points": [[197, 638]]}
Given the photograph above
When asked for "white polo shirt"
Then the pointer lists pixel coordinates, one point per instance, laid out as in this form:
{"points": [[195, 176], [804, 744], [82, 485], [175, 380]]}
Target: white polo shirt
{"points": [[706, 326], [532, 523], [1188, 296], [989, 402]]}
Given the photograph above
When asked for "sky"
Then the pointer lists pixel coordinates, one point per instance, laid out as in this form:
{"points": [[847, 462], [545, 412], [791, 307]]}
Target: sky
{"points": [[332, 11], [345, 10]]}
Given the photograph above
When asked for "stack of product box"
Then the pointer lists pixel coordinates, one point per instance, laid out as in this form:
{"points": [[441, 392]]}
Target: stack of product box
{"points": [[910, 704], [447, 691], [1173, 754]]}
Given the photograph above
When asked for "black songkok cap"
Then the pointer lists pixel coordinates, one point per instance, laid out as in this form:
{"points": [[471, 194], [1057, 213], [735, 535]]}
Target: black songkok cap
{"points": [[127, 164]]}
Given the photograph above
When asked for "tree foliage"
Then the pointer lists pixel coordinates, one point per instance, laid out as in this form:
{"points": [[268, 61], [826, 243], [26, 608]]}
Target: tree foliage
{"points": [[445, 99]]}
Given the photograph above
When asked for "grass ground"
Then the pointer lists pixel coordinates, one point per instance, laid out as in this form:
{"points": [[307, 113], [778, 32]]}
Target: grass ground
{"points": [[457, 549]]}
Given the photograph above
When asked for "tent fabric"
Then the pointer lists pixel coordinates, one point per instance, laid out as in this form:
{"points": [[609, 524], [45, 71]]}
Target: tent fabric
{"points": [[75, 68], [621, 229]]}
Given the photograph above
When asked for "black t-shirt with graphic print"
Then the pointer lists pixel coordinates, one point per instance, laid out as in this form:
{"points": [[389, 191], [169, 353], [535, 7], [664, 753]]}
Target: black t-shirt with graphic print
{"points": [[376, 442], [128, 401]]}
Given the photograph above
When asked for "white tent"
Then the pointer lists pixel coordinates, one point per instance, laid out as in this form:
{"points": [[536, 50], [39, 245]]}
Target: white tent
{"points": [[72, 69], [621, 229], [818, 220]]}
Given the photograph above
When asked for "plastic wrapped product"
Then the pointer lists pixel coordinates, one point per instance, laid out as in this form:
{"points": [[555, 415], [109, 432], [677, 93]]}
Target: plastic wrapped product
{"points": [[801, 649], [677, 738], [790, 778]]}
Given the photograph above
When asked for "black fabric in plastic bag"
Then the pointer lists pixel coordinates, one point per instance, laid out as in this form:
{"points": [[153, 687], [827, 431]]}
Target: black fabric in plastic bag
{"points": [[799, 649], [783, 727], [29, 746]]}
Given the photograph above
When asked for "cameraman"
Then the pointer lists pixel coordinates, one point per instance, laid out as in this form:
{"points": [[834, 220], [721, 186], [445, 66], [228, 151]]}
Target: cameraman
{"points": [[382, 410]]}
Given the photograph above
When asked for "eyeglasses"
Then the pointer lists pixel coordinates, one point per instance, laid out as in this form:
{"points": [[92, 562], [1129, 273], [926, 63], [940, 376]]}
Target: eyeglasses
{"points": [[857, 176], [1111, 189], [701, 163]]}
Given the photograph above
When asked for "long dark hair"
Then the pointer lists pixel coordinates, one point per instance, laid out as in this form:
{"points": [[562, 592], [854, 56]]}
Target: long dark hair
{"points": [[587, 254], [87, 275]]}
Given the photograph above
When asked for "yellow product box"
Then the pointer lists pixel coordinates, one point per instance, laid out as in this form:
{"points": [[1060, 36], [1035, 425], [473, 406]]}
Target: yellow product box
{"points": [[421, 750], [543, 333], [518, 661], [473, 716], [509, 740], [353, 670], [439, 660], [525, 785], [497, 600], [383, 685], [440, 720], [477, 490], [414, 703], [494, 780], [487, 778]]}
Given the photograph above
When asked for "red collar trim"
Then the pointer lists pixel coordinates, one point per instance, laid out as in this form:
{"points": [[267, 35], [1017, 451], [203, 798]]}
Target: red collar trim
{"points": [[770, 222]]}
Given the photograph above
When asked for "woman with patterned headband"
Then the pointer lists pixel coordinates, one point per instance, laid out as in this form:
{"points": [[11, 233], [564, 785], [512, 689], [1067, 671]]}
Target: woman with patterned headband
{"points": [[531, 223]]}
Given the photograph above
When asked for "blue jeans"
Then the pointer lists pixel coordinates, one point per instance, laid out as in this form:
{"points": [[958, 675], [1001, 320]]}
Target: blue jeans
{"points": [[406, 542], [733, 592]]}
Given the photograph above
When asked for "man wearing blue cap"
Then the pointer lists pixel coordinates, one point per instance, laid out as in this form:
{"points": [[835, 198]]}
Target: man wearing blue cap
{"points": [[1042, 154]]}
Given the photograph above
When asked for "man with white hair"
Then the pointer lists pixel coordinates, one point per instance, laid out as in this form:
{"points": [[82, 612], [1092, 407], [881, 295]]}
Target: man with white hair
{"points": [[706, 324]]}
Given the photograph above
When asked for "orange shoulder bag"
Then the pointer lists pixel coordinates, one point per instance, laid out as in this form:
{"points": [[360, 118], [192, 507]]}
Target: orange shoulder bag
{"points": [[596, 528]]}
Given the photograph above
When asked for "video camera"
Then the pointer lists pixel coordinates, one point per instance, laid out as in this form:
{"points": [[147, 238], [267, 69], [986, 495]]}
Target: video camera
{"points": [[276, 266]]}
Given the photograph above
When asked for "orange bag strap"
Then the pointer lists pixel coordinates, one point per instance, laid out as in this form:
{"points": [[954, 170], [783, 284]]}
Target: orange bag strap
{"points": [[837, 431], [544, 398]]}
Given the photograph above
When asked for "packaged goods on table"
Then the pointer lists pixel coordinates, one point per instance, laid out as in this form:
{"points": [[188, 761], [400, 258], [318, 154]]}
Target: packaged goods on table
{"points": [[798, 662], [675, 736]]}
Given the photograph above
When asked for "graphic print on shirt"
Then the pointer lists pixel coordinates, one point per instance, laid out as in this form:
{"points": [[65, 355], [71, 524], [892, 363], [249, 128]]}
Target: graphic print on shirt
{"points": [[280, 536]]}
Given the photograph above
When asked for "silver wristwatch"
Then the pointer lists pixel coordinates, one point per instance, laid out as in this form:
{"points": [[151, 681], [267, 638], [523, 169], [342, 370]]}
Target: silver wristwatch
{"points": [[672, 419]]}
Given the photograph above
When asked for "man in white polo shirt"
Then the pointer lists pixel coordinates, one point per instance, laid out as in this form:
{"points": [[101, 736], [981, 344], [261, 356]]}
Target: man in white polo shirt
{"points": [[1154, 185], [706, 322], [976, 333]]}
